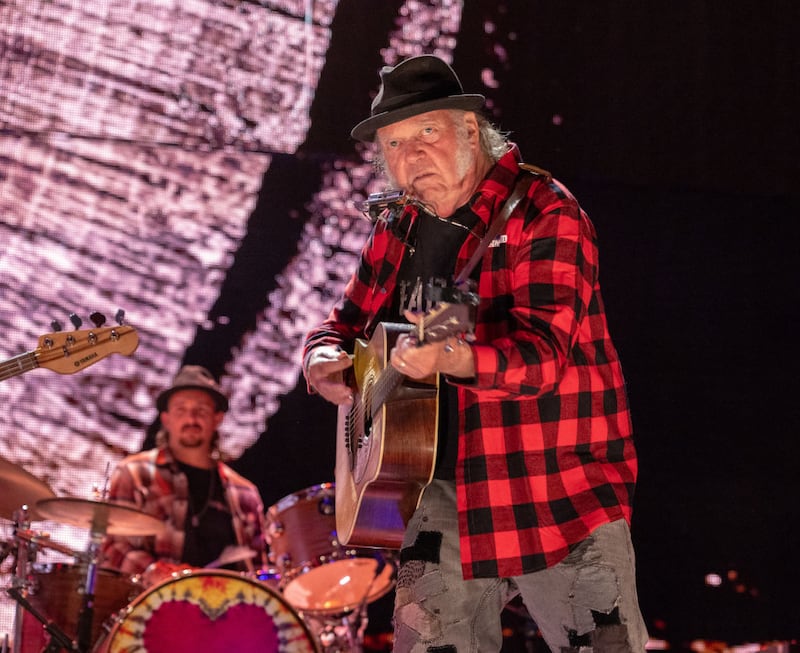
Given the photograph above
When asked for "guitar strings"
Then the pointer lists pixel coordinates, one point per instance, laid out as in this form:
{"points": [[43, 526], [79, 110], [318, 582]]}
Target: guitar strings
{"points": [[373, 392]]}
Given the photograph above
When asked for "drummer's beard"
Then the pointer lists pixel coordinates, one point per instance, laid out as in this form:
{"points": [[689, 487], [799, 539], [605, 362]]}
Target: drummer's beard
{"points": [[191, 436]]}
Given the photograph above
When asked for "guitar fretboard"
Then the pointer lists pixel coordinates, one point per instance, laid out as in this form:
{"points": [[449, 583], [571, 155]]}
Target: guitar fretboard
{"points": [[18, 365]]}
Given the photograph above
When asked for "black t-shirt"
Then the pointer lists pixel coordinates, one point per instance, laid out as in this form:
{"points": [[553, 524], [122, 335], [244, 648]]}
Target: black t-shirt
{"points": [[209, 524], [435, 243]]}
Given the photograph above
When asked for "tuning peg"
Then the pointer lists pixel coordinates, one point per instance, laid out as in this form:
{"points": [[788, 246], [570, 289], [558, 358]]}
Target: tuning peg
{"points": [[55, 325], [76, 321], [119, 316], [98, 319]]}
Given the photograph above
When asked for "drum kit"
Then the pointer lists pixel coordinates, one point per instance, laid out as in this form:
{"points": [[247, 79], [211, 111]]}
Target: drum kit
{"points": [[312, 598]]}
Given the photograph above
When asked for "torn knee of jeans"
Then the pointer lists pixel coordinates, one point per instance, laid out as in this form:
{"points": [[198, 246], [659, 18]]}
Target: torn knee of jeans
{"points": [[594, 596]]}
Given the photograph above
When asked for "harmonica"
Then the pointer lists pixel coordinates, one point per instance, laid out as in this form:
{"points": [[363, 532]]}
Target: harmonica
{"points": [[377, 203]]}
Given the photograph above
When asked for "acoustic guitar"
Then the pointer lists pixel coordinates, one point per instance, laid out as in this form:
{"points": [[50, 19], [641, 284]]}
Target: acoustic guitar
{"points": [[386, 441]]}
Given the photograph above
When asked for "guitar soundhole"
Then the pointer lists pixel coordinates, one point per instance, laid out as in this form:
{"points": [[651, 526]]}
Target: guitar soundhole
{"points": [[359, 425], [357, 430]]}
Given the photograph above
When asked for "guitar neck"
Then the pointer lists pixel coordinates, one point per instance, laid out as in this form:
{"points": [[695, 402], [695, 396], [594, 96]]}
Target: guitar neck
{"points": [[18, 365]]}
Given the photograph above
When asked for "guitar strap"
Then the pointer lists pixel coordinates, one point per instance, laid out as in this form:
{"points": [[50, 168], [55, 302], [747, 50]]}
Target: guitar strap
{"points": [[523, 183]]}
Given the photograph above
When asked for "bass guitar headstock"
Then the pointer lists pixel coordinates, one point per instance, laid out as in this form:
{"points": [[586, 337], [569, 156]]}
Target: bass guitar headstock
{"points": [[68, 352]]}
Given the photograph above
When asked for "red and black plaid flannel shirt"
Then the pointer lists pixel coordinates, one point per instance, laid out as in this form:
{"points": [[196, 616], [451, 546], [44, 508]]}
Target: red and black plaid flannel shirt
{"points": [[545, 451]]}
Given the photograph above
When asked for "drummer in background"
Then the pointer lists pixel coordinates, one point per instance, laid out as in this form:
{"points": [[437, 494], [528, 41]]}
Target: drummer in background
{"points": [[206, 507]]}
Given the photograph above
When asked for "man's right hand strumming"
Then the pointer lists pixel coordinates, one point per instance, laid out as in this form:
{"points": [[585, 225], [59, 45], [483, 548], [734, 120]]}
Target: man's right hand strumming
{"points": [[325, 374]]}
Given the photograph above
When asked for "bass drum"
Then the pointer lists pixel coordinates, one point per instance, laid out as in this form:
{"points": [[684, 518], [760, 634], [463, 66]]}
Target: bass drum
{"points": [[212, 611]]}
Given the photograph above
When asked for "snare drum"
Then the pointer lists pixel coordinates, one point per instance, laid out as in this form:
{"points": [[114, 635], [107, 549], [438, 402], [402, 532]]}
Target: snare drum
{"points": [[318, 575], [213, 611], [57, 592]]}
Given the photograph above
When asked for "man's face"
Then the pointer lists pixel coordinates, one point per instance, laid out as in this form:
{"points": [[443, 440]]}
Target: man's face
{"points": [[434, 157], [191, 419]]}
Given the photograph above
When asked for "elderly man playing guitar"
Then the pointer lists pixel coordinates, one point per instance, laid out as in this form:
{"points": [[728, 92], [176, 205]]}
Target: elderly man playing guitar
{"points": [[505, 371]]}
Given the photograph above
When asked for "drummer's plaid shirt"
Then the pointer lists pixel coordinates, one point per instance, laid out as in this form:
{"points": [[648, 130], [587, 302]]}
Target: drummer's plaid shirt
{"points": [[152, 482], [545, 439]]}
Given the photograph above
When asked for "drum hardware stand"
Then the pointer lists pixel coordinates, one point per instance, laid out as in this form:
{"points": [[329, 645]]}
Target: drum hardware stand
{"points": [[18, 582], [355, 622], [58, 638], [344, 636], [99, 525], [86, 615], [17, 591], [358, 625], [333, 640]]}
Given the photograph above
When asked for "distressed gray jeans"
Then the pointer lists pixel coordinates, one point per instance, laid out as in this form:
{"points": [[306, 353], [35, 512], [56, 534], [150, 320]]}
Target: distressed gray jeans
{"points": [[586, 603]]}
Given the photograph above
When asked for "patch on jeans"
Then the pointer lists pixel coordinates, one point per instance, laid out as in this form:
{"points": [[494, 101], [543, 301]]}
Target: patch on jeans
{"points": [[426, 548], [414, 626], [408, 574]]}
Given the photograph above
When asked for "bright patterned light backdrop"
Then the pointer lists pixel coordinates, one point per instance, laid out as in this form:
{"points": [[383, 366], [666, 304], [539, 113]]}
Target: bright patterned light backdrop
{"points": [[135, 137]]}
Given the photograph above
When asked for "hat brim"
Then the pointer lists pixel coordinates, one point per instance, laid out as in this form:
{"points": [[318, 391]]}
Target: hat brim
{"points": [[219, 399], [365, 130]]}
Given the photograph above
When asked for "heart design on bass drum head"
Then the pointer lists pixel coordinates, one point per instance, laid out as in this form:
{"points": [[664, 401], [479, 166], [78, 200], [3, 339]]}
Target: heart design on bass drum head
{"points": [[211, 611]]}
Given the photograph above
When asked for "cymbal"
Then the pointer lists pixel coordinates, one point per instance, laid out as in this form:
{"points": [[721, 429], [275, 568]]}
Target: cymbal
{"points": [[19, 488], [231, 554], [99, 516]]}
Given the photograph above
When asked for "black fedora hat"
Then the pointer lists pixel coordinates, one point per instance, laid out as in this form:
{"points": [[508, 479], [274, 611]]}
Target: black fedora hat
{"points": [[414, 86], [193, 377]]}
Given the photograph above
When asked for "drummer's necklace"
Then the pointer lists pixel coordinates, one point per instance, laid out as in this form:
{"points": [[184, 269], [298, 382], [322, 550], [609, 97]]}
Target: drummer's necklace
{"points": [[197, 516]]}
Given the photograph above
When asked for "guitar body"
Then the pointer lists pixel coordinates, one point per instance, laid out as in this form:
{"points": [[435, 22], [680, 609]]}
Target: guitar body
{"points": [[385, 446]]}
